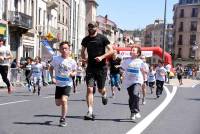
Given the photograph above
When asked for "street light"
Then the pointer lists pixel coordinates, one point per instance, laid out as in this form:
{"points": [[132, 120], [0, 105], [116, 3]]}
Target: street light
{"points": [[163, 45], [39, 50], [194, 48]]}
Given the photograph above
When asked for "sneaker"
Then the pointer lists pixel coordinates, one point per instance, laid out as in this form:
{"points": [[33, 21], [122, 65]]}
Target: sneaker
{"points": [[143, 102], [62, 122], [34, 90], [104, 100], [132, 117], [119, 88], [29, 88], [138, 115], [9, 90], [89, 116]]}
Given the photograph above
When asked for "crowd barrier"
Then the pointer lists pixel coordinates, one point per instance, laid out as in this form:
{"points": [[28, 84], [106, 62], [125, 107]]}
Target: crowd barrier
{"points": [[17, 77]]}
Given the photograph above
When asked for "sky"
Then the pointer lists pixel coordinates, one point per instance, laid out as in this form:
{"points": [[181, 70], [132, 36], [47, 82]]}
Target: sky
{"points": [[135, 14]]}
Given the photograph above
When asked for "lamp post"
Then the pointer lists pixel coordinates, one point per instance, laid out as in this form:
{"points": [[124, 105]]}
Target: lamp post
{"points": [[39, 50], [163, 45], [195, 47]]}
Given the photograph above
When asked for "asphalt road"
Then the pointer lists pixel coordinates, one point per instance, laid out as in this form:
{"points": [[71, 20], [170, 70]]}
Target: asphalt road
{"points": [[25, 113]]}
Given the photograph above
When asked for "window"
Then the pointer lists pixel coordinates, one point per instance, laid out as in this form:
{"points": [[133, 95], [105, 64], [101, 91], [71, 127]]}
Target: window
{"points": [[193, 26], [179, 53], [182, 13], [192, 39], [180, 27], [194, 12], [180, 40], [39, 16], [189, 1], [192, 53]]}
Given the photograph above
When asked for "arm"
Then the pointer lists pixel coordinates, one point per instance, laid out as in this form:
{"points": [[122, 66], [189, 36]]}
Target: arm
{"points": [[9, 56], [83, 56], [108, 53], [52, 73]]}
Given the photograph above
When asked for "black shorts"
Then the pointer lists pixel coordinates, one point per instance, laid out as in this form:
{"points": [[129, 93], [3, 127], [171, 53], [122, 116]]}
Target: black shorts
{"points": [[146, 83], [179, 77], [96, 74], [60, 91], [151, 84]]}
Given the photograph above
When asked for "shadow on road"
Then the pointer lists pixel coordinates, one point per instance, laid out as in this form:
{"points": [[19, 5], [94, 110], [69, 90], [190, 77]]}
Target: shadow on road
{"points": [[47, 115], [120, 103], [116, 120], [46, 123], [194, 99]]}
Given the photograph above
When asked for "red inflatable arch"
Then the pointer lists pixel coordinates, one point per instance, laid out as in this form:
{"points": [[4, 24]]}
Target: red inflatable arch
{"points": [[156, 51]]}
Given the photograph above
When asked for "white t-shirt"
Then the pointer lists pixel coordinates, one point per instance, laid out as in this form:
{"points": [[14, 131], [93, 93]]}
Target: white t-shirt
{"points": [[160, 73], [62, 69], [168, 67], [4, 51], [79, 71], [151, 76], [36, 70], [133, 72]]}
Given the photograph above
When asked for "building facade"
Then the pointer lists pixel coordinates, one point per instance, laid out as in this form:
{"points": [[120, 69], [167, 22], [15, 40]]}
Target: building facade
{"points": [[187, 32]]}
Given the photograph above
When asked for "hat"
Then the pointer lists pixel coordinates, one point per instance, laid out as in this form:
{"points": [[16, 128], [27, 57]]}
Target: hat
{"points": [[93, 23]]}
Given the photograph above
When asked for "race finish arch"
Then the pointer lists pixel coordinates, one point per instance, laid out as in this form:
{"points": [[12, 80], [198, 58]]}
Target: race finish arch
{"points": [[147, 51]]}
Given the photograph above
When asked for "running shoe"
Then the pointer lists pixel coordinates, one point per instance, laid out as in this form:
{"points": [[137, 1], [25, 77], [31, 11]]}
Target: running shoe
{"points": [[63, 123], [89, 116], [143, 101], [9, 90], [119, 88], [104, 100], [137, 115], [132, 117]]}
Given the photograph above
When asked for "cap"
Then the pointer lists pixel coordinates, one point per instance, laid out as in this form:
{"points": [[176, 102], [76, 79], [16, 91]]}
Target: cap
{"points": [[93, 24]]}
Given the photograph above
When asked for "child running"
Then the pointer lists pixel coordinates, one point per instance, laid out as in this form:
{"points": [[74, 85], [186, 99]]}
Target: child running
{"points": [[151, 78], [134, 78], [64, 68], [36, 70]]}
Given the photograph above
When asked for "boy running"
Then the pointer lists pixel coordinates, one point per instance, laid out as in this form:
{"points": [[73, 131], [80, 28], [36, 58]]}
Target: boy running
{"points": [[65, 69], [134, 78]]}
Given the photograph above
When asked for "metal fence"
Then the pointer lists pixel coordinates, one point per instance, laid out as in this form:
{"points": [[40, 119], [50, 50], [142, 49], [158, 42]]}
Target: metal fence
{"points": [[17, 77]]}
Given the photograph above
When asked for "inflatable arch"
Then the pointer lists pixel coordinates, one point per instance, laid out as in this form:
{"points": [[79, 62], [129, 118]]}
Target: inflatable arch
{"points": [[156, 51]]}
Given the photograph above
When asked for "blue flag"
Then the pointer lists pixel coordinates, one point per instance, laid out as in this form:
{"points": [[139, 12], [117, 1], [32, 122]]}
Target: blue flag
{"points": [[45, 43]]}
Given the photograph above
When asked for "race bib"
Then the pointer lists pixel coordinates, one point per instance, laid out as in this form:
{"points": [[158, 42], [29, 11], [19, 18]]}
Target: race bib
{"points": [[133, 73]]}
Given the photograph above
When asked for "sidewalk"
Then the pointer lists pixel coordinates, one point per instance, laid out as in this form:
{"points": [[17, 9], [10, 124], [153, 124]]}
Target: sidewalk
{"points": [[186, 82]]}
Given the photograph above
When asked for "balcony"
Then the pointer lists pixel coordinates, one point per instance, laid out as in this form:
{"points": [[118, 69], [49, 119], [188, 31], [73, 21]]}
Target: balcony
{"points": [[52, 4], [21, 20]]}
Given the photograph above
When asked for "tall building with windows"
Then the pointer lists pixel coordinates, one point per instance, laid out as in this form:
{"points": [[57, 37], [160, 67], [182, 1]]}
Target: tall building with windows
{"points": [[64, 20], [19, 14], [187, 31]]}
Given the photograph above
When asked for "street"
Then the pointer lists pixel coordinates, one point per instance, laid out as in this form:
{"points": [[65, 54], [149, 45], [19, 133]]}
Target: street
{"points": [[25, 113]]}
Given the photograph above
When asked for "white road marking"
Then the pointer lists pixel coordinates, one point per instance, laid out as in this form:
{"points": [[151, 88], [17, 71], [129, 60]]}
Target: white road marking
{"points": [[195, 85], [13, 102], [52, 96], [141, 126]]}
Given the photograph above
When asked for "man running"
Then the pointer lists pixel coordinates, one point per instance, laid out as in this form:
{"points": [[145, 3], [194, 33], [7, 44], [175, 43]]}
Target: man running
{"points": [[96, 45], [5, 56]]}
